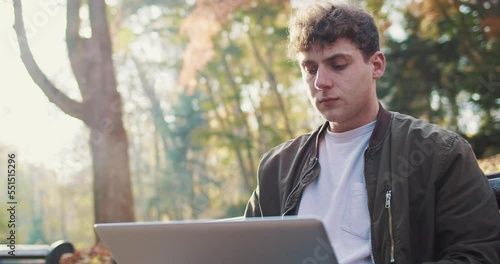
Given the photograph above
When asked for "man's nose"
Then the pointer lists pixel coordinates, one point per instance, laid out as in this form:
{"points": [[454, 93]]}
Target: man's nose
{"points": [[323, 79]]}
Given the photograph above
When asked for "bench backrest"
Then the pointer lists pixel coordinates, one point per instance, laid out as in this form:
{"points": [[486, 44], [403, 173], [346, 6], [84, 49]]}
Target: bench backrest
{"points": [[50, 253], [494, 179]]}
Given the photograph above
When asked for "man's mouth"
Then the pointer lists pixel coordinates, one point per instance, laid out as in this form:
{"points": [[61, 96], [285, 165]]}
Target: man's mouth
{"points": [[328, 99]]}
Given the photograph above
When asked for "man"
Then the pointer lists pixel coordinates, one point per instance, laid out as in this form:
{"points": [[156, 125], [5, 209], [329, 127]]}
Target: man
{"points": [[389, 188]]}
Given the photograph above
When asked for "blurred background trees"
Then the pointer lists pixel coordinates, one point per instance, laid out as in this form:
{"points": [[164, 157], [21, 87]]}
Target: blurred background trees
{"points": [[197, 125], [446, 70]]}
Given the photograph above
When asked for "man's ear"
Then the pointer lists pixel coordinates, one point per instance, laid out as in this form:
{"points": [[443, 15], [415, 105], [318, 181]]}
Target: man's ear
{"points": [[378, 63]]}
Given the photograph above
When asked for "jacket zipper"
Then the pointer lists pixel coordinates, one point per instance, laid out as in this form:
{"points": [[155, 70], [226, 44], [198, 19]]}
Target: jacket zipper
{"points": [[297, 186], [388, 196]]}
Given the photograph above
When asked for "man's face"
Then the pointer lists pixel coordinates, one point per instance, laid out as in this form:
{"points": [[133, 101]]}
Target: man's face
{"points": [[341, 84]]}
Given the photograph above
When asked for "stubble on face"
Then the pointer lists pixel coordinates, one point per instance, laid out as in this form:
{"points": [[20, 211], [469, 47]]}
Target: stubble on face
{"points": [[341, 84]]}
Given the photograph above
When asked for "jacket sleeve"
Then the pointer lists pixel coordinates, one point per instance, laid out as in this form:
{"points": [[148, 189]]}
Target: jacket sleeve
{"points": [[253, 206], [466, 213]]}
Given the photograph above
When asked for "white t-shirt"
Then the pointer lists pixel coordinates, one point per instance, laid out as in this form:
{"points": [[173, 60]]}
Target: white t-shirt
{"points": [[338, 196]]}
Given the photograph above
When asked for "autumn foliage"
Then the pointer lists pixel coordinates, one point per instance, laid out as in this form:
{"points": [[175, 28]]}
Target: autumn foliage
{"points": [[95, 255]]}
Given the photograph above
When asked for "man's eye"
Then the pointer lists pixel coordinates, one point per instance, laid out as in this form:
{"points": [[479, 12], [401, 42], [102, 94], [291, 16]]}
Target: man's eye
{"points": [[310, 70], [339, 66]]}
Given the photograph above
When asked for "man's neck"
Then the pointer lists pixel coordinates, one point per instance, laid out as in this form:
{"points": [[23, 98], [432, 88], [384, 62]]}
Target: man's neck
{"points": [[371, 115]]}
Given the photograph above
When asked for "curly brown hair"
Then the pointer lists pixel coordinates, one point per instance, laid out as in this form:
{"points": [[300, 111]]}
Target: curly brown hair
{"points": [[323, 23]]}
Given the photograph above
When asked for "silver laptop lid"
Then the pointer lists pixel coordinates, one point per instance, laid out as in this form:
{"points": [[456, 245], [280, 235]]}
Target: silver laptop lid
{"points": [[261, 240]]}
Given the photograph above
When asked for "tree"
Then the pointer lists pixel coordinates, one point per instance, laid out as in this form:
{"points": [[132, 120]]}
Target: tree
{"points": [[100, 108], [448, 67], [252, 92], [169, 176], [244, 89], [179, 173]]}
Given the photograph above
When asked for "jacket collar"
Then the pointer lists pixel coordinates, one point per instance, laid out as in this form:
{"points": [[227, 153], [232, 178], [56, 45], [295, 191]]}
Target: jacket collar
{"points": [[380, 130]]}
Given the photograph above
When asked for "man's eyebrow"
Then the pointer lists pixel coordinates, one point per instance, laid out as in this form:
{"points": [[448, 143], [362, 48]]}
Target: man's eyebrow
{"points": [[344, 56], [332, 58], [306, 62]]}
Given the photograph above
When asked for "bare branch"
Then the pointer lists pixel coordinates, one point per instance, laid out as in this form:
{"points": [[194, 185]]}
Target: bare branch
{"points": [[101, 43], [66, 104], [72, 23], [75, 43], [99, 23]]}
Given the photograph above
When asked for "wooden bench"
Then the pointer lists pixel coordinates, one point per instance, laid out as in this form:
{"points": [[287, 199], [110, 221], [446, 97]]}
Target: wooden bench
{"points": [[49, 254], [494, 179]]}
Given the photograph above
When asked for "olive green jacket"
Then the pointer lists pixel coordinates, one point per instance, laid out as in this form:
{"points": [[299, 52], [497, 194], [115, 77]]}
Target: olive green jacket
{"points": [[429, 202]]}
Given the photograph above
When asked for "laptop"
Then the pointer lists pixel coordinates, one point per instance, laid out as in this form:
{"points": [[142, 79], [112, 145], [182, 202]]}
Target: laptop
{"points": [[289, 240]]}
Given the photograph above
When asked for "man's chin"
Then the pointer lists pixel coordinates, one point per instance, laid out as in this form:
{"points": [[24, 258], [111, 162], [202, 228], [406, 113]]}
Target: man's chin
{"points": [[332, 117]]}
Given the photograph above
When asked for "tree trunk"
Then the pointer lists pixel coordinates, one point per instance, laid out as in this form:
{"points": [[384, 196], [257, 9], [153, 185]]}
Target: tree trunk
{"points": [[100, 108], [113, 199]]}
